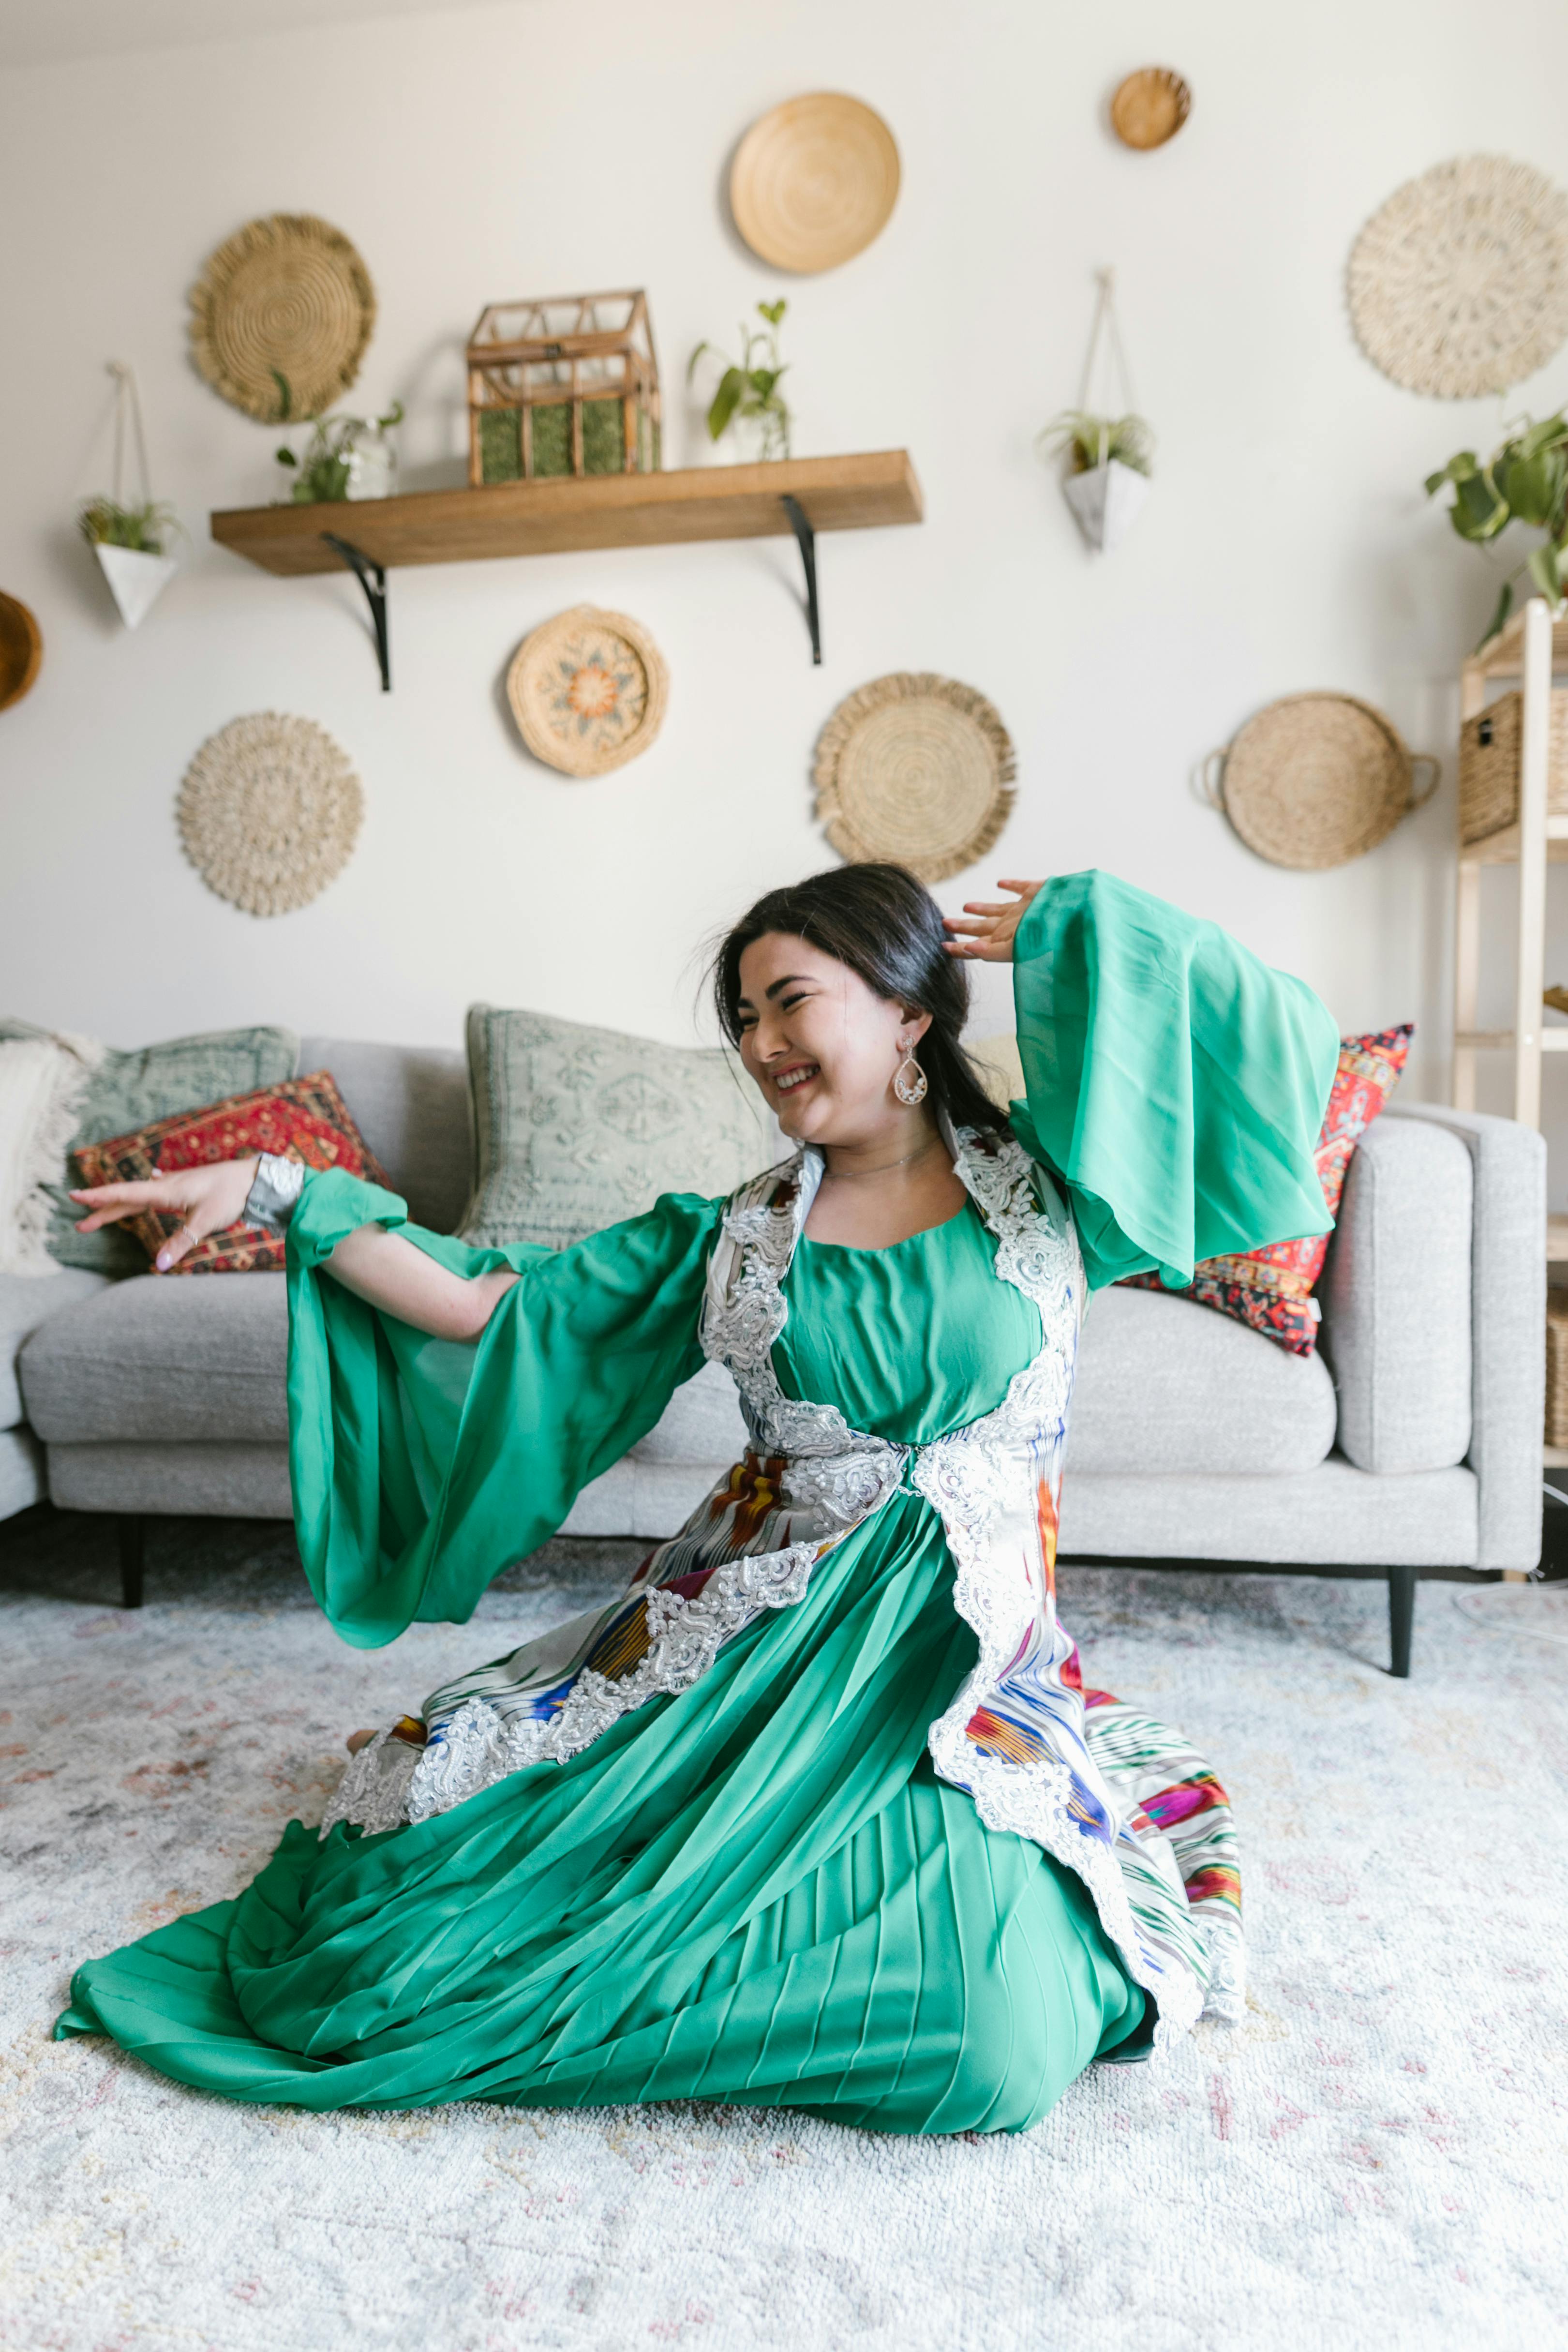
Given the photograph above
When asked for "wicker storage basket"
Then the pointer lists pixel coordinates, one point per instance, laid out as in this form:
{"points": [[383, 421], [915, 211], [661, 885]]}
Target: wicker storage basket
{"points": [[1557, 1368], [1488, 766]]}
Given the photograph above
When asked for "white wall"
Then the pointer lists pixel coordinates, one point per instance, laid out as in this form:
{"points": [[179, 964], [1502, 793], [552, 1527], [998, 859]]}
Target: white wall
{"points": [[536, 146]]}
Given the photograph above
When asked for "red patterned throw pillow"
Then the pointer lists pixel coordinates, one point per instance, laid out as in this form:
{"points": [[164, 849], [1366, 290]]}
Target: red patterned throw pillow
{"points": [[1271, 1288], [302, 1118]]}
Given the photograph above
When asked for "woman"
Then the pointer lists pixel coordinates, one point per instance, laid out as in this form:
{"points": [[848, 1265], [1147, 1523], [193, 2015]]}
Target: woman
{"points": [[819, 1814]]}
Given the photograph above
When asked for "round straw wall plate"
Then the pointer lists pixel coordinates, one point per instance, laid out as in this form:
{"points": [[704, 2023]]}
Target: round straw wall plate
{"points": [[288, 294], [269, 811], [588, 691], [814, 181], [21, 650], [1316, 780], [916, 769], [1150, 107], [1458, 285]]}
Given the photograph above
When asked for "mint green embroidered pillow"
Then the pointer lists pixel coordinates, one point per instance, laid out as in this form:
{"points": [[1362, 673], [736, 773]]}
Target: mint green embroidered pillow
{"points": [[578, 1128], [128, 1090]]}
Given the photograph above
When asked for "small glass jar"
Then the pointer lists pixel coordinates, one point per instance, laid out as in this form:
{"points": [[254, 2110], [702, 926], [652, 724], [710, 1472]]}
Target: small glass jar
{"points": [[372, 456]]}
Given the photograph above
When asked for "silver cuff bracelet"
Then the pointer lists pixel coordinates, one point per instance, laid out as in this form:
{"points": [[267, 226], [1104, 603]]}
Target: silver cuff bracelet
{"points": [[277, 1186]]}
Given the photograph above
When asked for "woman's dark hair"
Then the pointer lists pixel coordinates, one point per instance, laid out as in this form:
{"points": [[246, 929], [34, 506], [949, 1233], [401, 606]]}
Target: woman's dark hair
{"points": [[887, 926]]}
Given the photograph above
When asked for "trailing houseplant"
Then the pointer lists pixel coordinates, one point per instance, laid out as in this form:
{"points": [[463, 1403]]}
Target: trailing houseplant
{"points": [[748, 389], [345, 457], [1524, 480]]}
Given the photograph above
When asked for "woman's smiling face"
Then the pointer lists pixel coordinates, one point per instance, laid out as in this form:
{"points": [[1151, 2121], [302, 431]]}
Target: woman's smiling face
{"points": [[820, 1045]]}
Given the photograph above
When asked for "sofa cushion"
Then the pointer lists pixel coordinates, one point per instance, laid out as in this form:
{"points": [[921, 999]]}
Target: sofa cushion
{"points": [[577, 1128], [26, 1301], [411, 1105], [1164, 1385], [159, 1362]]}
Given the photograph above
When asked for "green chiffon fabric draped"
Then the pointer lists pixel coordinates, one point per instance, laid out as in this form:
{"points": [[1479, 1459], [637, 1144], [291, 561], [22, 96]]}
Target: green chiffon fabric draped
{"points": [[755, 1890]]}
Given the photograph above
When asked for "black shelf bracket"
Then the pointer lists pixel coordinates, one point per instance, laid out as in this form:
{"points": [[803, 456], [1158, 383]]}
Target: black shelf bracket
{"points": [[373, 579], [799, 523]]}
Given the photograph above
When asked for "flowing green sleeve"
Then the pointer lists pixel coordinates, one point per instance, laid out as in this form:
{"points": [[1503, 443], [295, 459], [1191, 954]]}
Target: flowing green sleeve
{"points": [[1176, 1085], [422, 1467]]}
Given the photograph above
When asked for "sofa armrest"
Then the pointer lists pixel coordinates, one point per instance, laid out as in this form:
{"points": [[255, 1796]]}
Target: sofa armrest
{"points": [[1508, 1325], [1396, 1297]]}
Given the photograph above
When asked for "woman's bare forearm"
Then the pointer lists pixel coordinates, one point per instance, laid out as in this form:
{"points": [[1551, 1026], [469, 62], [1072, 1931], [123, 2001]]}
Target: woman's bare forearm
{"points": [[391, 1274]]}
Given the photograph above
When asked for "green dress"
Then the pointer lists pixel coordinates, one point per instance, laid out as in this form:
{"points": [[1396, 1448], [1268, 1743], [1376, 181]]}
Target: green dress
{"points": [[755, 1889]]}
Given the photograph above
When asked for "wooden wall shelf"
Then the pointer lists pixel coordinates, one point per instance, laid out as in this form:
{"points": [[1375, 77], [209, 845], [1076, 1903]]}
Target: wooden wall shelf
{"points": [[794, 494], [605, 510]]}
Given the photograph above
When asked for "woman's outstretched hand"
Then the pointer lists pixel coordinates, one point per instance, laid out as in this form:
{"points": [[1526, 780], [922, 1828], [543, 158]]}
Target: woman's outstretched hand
{"points": [[991, 937], [205, 1200]]}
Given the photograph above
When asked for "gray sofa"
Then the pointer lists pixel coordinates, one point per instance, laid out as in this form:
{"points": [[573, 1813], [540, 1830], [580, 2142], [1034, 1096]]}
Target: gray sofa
{"points": [[1411, 1441]]}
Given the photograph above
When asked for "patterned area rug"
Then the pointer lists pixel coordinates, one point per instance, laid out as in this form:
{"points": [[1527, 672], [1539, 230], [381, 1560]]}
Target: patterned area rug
{"points": [[1375, 2158]]}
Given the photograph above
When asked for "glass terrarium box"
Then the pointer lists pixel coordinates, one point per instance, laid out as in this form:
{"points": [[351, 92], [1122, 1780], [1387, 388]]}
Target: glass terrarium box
{"points": [[566, 386]]}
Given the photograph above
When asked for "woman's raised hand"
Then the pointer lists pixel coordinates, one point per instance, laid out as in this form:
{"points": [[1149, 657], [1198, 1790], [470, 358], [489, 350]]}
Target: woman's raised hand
{"points": [[204, 1199], [991, 937]]}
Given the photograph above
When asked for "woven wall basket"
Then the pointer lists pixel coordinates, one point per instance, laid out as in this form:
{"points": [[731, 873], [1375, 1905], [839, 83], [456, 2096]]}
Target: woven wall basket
{"points": [[917, 769], [588, 691], [814, 181], [1316, 780], [1458, 286], [269, 811], [1150, 107], [21, 650], [288, 292]]}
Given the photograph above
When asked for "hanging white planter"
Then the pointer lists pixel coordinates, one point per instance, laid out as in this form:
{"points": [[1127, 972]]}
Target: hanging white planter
{"points": [[137, 574], [1107, 500], [1110, 446], [136, 581]]}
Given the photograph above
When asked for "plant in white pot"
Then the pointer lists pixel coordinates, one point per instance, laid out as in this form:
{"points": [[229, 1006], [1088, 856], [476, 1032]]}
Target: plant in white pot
{"points": [[1107, 478], [131, 542], [1109, 456]]}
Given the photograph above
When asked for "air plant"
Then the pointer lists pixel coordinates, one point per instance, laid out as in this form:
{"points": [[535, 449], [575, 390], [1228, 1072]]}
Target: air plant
{"points": [[1524, 480], [1089, 441], [749, 389], [103, 522]]}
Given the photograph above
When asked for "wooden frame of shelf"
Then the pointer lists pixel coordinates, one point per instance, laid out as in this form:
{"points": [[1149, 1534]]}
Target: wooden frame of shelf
{"points": [[798, 496], [1528, 652]]}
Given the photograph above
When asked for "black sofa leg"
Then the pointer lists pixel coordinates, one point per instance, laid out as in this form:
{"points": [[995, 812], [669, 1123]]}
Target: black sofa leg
{"points": [[132, 1558], [1401, 1618]]}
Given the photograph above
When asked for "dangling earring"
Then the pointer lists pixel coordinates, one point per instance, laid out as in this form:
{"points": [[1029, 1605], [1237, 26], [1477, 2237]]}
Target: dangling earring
{"points": [[909, 1081]]}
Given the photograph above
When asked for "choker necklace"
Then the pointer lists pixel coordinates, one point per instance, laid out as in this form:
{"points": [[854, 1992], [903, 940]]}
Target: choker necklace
{"points": [[882, 1166]]}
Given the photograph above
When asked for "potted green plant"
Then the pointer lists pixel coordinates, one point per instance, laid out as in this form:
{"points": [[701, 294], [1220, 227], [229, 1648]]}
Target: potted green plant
{"points": [[345, 457], [130, 544], [1109, 460], [748, 390], [1524, 480]]}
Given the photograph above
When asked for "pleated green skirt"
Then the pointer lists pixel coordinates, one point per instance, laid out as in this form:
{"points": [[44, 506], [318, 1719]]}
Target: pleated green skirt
{"points": [[754, 1892]]}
